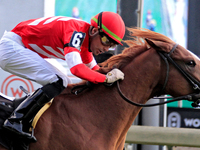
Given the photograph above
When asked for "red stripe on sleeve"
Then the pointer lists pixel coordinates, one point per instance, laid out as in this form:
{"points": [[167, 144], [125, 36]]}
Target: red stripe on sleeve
{"points": [[96, 67], [86, 73]]}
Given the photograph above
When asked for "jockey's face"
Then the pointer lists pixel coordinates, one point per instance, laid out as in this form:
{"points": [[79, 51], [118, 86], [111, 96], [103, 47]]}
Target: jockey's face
{"points": [[96, 45]]}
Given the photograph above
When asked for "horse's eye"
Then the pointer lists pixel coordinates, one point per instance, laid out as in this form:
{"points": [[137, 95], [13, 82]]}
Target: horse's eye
{"points": [[191, 63]]}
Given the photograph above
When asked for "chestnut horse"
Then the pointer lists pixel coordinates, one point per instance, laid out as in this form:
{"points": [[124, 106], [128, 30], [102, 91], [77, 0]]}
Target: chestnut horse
{"points": [[99, 118]]}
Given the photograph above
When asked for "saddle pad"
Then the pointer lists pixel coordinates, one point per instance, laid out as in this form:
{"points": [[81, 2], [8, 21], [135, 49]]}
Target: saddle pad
{"points": [[39, 114]]}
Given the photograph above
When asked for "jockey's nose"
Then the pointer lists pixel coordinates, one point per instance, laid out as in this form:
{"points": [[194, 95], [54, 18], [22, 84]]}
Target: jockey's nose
{"points": [[106, 48]]}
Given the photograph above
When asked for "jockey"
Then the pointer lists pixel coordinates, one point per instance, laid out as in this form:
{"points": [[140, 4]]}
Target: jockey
{"points": [[23, 49]]}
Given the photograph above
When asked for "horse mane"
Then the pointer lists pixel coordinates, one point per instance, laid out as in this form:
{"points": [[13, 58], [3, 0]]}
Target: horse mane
{"points": [[136, 45]]}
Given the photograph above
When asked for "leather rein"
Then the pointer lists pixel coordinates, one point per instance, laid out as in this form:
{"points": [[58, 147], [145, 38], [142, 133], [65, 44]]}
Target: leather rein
{"points": [[191, 97], [195, 97]]}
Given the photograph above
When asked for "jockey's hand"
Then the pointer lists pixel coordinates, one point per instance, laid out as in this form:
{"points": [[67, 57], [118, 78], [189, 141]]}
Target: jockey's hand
{"points": [[114, 75]]}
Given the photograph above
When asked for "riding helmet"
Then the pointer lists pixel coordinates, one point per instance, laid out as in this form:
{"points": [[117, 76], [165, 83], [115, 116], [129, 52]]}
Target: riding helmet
{"points": [[111, 24]]}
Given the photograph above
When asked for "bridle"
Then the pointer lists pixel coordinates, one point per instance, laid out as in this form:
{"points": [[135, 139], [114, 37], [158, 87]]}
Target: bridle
{"points": [[191, 80], [191, 97]]}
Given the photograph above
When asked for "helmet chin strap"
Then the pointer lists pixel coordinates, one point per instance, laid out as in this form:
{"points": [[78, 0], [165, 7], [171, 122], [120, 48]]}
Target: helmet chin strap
{"points": [[99, 23]]}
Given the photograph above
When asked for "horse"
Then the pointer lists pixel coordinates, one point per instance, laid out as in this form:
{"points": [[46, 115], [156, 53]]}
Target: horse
{"points": [[98, 118]]}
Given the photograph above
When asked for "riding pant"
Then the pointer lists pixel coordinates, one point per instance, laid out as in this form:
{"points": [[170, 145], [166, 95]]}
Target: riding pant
{"points": [[18, 60]]}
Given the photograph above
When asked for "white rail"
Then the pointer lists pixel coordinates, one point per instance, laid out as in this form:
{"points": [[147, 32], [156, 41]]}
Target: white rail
{"points": [[163, 136]]}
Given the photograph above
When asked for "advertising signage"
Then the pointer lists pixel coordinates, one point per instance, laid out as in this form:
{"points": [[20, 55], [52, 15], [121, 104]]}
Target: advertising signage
{"points": [[183, 117]]}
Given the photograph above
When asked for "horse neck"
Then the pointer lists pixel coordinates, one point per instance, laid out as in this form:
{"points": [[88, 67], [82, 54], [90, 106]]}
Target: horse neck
{"points": [[143, 77], [103, 106]]}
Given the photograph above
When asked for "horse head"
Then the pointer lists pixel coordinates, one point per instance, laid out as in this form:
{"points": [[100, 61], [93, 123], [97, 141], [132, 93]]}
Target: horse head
{"points": [[184, 68]]}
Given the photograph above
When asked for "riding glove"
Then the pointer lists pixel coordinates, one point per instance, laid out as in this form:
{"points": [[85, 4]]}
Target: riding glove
{"points": [[114, 75]]}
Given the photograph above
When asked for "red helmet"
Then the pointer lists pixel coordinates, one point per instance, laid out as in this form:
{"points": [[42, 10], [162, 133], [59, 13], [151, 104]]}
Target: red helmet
{"points": [[111, 24]]}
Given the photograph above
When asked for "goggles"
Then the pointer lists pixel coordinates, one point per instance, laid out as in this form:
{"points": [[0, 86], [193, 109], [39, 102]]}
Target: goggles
{"points": [[106, 41]]}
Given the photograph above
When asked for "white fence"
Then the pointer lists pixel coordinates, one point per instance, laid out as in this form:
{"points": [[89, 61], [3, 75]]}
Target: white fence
{"points": [[163, 136]]}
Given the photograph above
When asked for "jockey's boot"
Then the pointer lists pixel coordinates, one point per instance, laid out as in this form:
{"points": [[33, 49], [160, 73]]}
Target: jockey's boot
{"points": [[27, 110]]}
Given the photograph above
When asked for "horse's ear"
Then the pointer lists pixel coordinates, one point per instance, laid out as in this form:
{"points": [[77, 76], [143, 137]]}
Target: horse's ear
{"points": [[152, 44], [159, 45]]}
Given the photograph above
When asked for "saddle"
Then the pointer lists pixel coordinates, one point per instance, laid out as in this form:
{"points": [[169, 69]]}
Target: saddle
{"points": [[7, 106]]}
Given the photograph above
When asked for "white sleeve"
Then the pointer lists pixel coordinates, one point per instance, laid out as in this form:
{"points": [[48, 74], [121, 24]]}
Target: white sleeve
{"points": [[73, 59], [92, 63]]}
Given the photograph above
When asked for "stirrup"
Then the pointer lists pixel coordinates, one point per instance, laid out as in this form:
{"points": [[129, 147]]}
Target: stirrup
{"points": [[27, 136], [32, 135]]}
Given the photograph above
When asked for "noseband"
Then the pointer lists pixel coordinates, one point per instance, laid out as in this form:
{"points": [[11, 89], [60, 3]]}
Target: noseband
{"points": [[192, 97]]}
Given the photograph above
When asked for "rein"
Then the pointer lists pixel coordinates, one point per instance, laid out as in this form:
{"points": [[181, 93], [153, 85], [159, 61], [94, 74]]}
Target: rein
{"points": [[191, 97]]}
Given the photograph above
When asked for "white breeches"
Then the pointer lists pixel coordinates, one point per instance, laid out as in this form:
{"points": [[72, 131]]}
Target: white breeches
{"points": [[20, 61]]}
